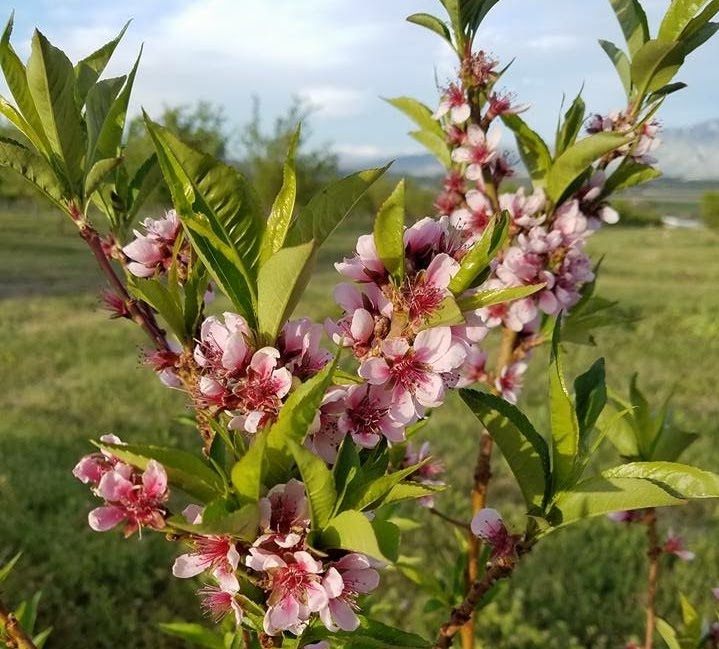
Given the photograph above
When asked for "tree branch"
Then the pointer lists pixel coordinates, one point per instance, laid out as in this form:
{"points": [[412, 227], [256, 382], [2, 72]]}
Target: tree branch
{"points": [[15, 635]]}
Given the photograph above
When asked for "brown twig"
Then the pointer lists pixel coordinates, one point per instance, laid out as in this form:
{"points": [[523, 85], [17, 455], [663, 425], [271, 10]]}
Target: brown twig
{"points": [[15, 635], [482, 476], [654, 552], [449, 519], [497, 569]]}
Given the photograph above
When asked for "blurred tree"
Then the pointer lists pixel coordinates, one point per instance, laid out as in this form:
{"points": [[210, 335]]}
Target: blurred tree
{"points": [[710, 210], [633, 213], [263, 154]]}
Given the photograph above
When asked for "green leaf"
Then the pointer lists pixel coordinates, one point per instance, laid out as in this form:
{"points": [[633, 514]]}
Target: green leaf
{"points": [[692, 631], [247, 473], [12, 114], [473, 12], [565, 427], [278, 222], [184, 470], [633, 22], [432, 23], [698, 30], [573, 120], [603, 494], [6, 569], [107, 104], [577, 159], [218, 210], [522, 446], [40, 639], [621, 63], [435, 144], [51, 80], [655, 64], [242, 523], [195, 634], [98, 173], [372, 634], [668, 633], [293, 422], [373, 493], [328, 209], [26, 613], [447, 313], [669, 89], [163, 300], [16, 79], [681, 480], [644, 425], [280, 284], [617, 426], [389, 233], [146, 179], [418, 113], [89, 69], [532, 149], [671, 443], [34, 169], [453, 11], [629, 174], [352, 530], [488, 297], [319, 484], [590, 392], [481, 253], [679, 14], [410, 491]]}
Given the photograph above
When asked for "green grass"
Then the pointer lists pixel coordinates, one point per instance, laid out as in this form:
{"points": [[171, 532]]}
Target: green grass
{"points": [[69, 375]]}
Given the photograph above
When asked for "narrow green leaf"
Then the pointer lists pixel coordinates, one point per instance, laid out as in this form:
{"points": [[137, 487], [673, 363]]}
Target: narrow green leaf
{"points": [[99, 102], [655, 64], [51, 80], [629, 174], [679, 14], [621, 63], [564, 424], [34, 169], [473, 13], [573, 120], [590, 392], [453, 11], [163, 300], [681, 480], [10, 113], [410, 491], [668, 634], [522, 446], [215, 205], [146, 179], [633, 22], [481, 253], [420, 114], [16, 79], [577, 159], [98, 173], [490, 296], [664, 91], [280, 284], [278, 222], [432, 23], [698, 37], [242, 523], [447, 314], [604, 494], [319, 484], [247, 473], [532, 149], [6, 569], [352, 530], [293, 422], [184, 470], [435, 144], [389, 233]]}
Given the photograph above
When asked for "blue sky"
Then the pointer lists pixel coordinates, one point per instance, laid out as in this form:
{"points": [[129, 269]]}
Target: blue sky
{"points": [[343, 55]]}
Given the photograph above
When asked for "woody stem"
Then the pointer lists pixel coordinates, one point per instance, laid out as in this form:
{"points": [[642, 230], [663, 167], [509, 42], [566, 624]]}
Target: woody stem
{"points": [[654, 553], [15, 635]]}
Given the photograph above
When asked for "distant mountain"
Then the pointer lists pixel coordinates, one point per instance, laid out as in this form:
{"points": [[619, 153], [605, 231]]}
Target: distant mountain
{"points": [[690, 153]]}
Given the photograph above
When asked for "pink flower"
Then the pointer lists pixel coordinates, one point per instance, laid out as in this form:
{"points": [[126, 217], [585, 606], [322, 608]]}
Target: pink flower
{"points": [[479, 150], [218, 602], [296, 592], [414, 373], [510, 380], [325, 436], [366, 265], [675, 545], [367, 416], [91, 468], [454, 101], [153, 250], [474, 218], [344, 581], [474, 369], [424, 293], [217, 554], [223, 343], [299, 345], [284, 516], [488, 525], [631, 516], [524, 210], [503, 104], [133, 498], [260, 394], [115, 305]]}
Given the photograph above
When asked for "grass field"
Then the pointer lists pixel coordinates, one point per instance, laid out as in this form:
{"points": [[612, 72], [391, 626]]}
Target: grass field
{"points": [[68, 375]]}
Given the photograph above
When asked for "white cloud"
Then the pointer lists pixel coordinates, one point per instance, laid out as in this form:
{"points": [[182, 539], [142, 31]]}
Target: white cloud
{"points": [[333, 101]]}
